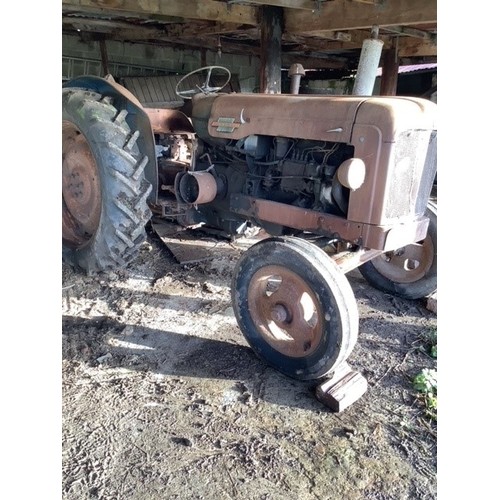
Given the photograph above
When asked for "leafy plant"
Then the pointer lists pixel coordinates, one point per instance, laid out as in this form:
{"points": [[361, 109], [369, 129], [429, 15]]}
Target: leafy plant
{"points": [[434, 351], [426, 384]]}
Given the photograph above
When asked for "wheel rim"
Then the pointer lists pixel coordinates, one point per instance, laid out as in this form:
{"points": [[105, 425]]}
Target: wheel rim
{"points": [[285, 310], [407, 264], [81, 195]]}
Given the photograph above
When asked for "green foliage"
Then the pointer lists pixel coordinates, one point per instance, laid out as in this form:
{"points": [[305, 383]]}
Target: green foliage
{"points": [[426, 381], [426, 384]]}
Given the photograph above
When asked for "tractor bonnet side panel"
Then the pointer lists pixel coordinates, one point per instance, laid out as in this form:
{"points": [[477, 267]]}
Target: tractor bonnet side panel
{"points": [[236, 116]]}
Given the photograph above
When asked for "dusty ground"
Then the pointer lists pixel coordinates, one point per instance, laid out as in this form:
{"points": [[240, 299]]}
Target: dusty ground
{"points": [[163, 398]]}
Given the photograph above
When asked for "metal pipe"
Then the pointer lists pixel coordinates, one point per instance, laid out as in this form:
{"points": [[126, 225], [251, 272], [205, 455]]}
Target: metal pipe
{"points": [[295, 72], [368, 64]]}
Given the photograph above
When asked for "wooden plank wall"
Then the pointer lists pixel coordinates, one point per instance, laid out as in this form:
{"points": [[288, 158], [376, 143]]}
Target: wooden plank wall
{"points": [[159, 91], [154, 91]]}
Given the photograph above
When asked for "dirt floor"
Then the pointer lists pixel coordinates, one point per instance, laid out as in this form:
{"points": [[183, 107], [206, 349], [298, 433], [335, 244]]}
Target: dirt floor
{"points": [[163, 399]]}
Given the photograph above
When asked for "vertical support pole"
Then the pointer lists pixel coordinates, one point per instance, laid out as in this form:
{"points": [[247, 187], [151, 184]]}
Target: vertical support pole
{"points": [[390, 68], [271, 29], [368, 64], [104, 57], [203, 57]]}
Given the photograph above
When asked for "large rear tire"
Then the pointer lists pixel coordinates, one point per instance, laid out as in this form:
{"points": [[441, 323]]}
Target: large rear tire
{"points": [[295, 307], [409, 272], [104, 192]]}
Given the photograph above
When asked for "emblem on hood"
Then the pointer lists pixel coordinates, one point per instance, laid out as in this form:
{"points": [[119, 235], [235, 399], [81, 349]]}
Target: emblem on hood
{"points": [[227, 125]]}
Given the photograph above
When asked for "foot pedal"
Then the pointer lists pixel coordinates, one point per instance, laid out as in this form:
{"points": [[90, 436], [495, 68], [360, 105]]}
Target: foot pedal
{"points": [[344, 388]]}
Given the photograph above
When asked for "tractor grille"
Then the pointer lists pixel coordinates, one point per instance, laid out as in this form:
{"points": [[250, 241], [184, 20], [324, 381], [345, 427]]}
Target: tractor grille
{"points": [[413, 172]]}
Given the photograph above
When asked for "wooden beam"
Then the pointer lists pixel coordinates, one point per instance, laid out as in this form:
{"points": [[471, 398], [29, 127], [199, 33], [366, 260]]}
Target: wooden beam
{"points": [[271, 28], [408, 46], [311, 5], [326, 42], [160, 9], [355, 37], [115, 29], [412, 47], [390, 68], [343, 15], [104, 57], [129, 31], [196, 28], [403, 30]]}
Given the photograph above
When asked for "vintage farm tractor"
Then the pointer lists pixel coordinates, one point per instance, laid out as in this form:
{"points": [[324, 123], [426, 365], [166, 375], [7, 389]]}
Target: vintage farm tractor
{"points": [[338, 182]]}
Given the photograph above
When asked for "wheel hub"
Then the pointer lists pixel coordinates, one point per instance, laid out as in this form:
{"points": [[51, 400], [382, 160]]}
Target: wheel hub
{"points": [[407, 264], [279, 313], [285, 310], [81, 195]]}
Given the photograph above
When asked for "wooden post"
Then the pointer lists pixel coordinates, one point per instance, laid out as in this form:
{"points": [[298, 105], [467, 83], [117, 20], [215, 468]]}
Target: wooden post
{"points": [[271, 29], [390, 68], [104, 57]]}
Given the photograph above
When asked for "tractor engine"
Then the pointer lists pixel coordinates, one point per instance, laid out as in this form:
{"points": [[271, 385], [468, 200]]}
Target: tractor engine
{"points": [[295, 172]]}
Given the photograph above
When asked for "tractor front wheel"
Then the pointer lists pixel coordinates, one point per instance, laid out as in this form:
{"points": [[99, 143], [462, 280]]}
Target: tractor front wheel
{"points": [[409, 272], [295, 307]]}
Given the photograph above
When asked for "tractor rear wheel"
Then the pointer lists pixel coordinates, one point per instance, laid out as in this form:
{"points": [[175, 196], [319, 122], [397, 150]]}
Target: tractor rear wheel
{"points": [[104, 192]]}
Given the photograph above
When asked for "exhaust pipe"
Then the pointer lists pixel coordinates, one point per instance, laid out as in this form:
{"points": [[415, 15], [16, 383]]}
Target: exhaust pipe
{"points": [[295, 72], [368, 64]]}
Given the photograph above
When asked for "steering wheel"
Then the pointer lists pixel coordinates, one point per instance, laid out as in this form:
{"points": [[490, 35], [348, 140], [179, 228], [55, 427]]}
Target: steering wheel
{"points": [[205, 86]]}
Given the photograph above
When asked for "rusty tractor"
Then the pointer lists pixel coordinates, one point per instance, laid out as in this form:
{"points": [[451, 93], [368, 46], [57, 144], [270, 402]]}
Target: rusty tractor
{"points": [[337, 182]]}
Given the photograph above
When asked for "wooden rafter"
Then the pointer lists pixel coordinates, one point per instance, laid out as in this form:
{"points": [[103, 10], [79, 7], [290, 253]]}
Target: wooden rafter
{"points": [[286, 4], [412, 47], [129, 31], [345, 15], [416, 33], [159, 10]]}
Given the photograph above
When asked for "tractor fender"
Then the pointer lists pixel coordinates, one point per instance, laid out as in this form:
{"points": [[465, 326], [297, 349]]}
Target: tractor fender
{"points": [[137, 119]]}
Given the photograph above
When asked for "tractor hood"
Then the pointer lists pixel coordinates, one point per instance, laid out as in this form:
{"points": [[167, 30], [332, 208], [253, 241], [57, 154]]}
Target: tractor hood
{"points": [[324, 118]]}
